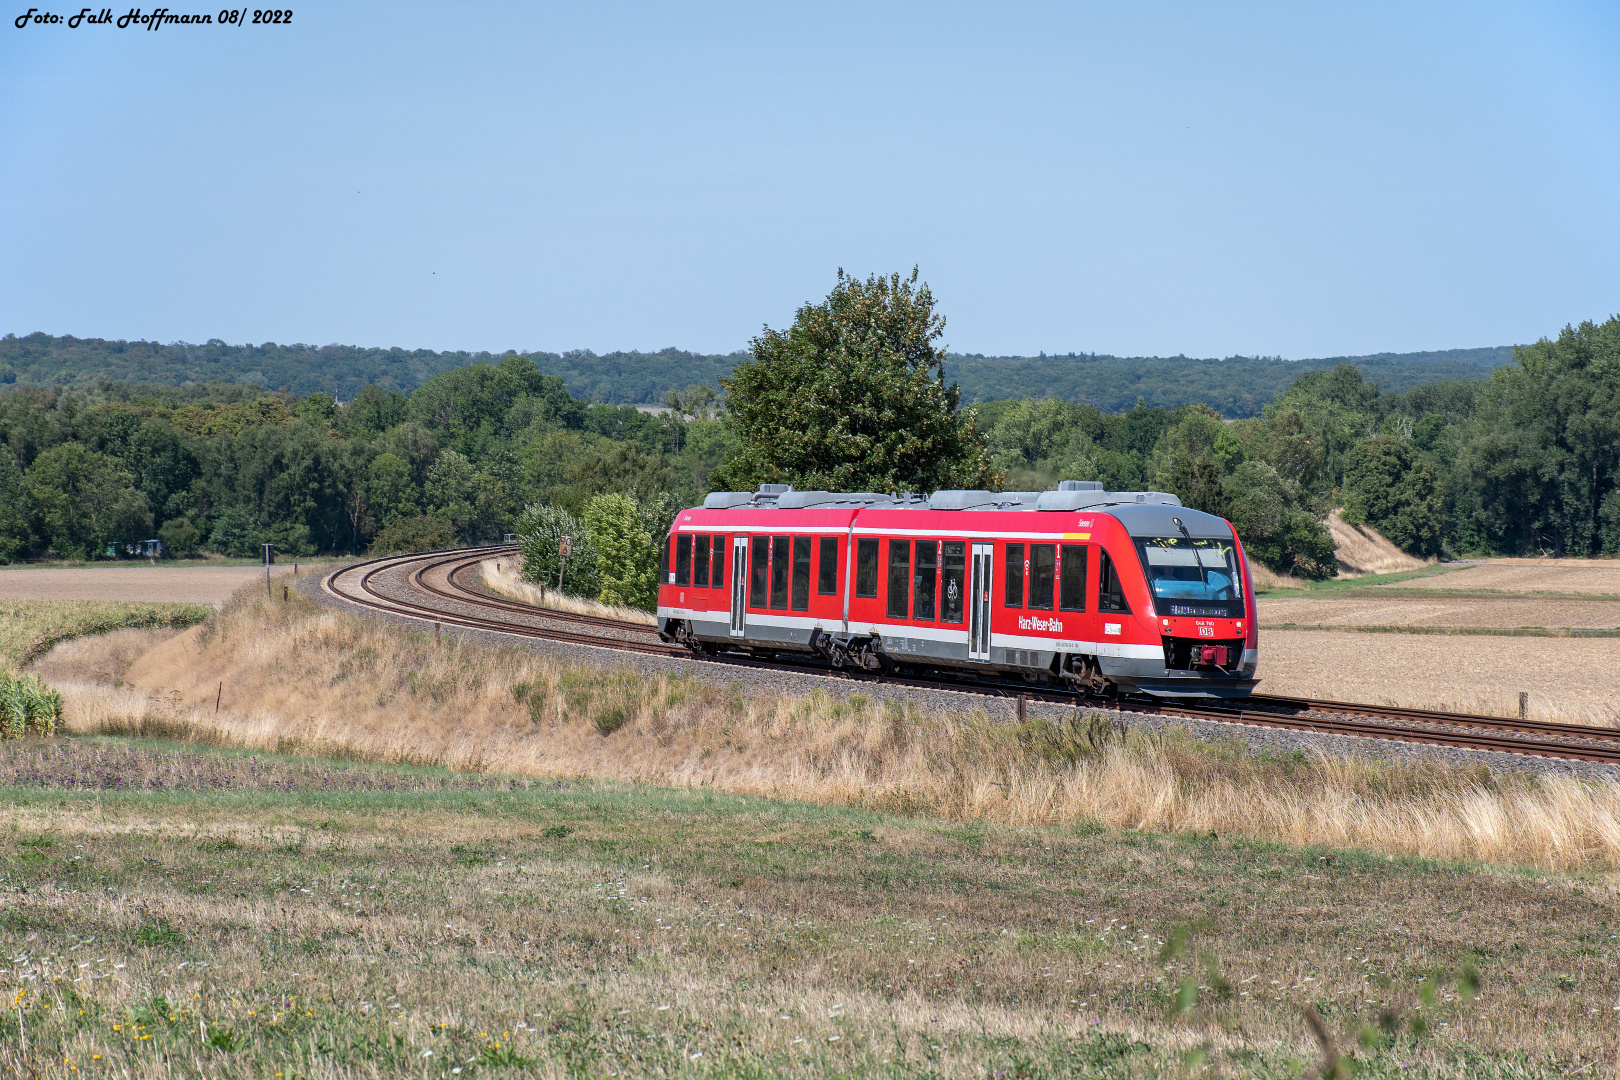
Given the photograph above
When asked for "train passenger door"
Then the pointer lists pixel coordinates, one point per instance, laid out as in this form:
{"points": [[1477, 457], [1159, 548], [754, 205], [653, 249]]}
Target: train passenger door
{"points": [[979, 602], [739, 581]]}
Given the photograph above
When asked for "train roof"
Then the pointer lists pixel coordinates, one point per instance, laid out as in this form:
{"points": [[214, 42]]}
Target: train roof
{"points": [[1143, 513]]}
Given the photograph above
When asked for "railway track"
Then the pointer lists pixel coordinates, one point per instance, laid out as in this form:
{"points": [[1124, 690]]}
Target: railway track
{"points": [[434, 577]]}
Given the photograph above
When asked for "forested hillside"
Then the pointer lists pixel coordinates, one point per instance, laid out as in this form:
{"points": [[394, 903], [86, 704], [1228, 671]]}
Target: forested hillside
{"points": [[1238, 386], [1527, 460]]}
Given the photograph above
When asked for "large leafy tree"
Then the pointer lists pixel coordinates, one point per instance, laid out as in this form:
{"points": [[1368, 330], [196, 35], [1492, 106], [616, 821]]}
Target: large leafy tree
{"points": [[1544, 456], [852, 397], [628, 551], [86, 500], [1391, 485], [15, 507]]}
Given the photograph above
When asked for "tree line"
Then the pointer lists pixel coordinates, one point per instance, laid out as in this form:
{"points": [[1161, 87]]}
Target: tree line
{"points": [[1525, 462], [1520, 463], [1237, 386]]}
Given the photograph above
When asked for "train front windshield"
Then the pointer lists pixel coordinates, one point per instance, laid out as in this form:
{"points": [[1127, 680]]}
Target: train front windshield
{"points": [[1197, 577]]}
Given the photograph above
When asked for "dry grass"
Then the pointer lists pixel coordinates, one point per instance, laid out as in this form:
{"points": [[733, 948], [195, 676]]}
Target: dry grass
{"points": [[296, 677], [1361, 549], [505, 576], [247, 917]]}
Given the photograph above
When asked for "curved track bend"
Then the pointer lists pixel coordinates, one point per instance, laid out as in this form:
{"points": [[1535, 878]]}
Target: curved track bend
{"points": [[438, 595]]}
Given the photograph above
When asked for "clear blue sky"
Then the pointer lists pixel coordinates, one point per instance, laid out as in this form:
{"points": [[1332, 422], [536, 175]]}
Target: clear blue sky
{"points": [[1135, 178]]}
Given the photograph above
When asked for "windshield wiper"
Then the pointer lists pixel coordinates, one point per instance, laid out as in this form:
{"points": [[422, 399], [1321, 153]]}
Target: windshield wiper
{"points": [[1198, 556]]}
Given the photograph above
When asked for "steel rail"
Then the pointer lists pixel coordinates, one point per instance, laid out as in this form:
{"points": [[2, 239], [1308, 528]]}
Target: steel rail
{"points": [[461, 592], [1595, 744], [1430, 716]]}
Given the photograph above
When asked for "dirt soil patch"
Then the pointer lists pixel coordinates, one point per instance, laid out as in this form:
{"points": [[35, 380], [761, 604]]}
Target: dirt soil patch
{"points": [[1570, 680], [1529, 576], [1505, 613], [170, 584]]}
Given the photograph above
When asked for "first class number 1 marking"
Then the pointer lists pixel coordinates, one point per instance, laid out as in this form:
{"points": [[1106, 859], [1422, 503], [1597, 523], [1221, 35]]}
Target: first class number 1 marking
{"points": [[153, 19]]}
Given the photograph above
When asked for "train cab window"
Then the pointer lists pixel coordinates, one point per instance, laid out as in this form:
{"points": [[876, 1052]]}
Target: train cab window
{"points": [[663, 559], [779, 571], [1042, 570], [700, 561], [1110, 596], [759, 561], [1072, 578], [717, 571], [952, 580], [899, 579], [801, 573], [683, 559], [866, 568], [926, 579], [1015, 575], [827, 572]]}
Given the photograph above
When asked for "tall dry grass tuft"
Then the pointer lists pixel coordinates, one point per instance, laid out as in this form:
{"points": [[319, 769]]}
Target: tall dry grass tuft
{"points": [[505, 576], [297, 678]]}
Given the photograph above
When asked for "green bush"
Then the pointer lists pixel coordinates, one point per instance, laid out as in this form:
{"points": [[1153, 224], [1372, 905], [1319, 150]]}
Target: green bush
{"points": [[180, 538], [539, 531], [422, 532], [27, 706]]}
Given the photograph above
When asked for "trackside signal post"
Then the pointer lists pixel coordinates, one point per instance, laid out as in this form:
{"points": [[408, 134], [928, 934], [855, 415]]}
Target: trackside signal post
{"points": [[565, 548]]}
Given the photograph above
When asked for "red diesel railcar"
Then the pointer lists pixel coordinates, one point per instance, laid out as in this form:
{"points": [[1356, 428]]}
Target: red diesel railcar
{"points": [[1124, 591]]}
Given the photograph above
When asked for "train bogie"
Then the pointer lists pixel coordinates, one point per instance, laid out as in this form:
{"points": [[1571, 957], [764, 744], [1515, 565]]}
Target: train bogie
{"points": [[1103, 591]]}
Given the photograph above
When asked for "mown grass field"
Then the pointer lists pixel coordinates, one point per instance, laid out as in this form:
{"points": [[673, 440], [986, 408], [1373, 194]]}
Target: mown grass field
{"points": [[176, 911]]}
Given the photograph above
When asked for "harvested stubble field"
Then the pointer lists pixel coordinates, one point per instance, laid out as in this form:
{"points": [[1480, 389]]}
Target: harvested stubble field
{"points": [[176, 910], [1471, 611], [1570, 680], [149, 584], [1569, 576]]}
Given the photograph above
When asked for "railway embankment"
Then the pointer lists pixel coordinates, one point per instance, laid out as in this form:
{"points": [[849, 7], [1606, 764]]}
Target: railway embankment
{"points": [[299, 677]]}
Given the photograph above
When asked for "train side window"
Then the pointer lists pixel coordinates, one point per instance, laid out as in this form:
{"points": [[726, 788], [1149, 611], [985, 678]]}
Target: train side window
{"points": [[663, 559], [866, 568], [683, 559], [717, 572], [1072, 578], [926, 579], [1015, 575], [759, 561], [952, 580], [1110, 596], [827, 575], [801, 573], [700, 561], [899, 579], [1042, 569], [779, 571]]}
